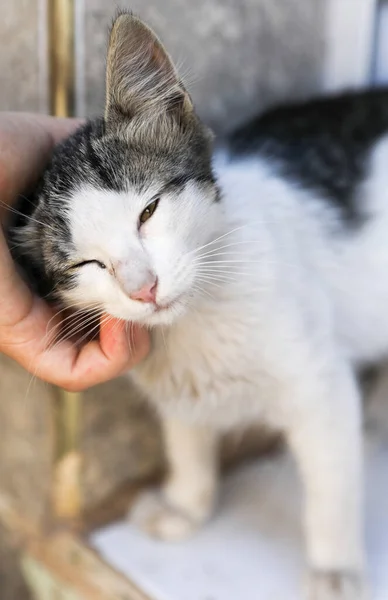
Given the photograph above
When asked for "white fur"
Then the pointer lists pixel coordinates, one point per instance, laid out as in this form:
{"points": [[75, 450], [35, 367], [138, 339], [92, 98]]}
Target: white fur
{"points": [[290, 301], [105, 227]]}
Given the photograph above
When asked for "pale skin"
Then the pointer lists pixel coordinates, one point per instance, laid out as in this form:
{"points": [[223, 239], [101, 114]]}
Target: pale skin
{"points": [[26, 141]]}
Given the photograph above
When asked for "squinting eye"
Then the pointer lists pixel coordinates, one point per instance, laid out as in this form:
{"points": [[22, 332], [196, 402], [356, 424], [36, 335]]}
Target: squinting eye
{"points": [[149, 211], [90, 262]]}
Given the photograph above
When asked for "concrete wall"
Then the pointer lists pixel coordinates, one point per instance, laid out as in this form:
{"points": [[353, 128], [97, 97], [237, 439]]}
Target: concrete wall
{"points": [[22, 55], [236, 56]]}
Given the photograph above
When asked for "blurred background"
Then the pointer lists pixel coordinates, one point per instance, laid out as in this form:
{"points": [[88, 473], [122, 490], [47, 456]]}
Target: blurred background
{"points": [[237, 57]]}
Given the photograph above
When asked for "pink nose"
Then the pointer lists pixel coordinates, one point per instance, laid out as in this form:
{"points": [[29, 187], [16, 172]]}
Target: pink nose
{"points": [[147, 293]]}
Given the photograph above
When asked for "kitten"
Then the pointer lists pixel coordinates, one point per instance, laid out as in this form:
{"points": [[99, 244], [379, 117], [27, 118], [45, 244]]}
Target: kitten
{"points": [[261, 270]]}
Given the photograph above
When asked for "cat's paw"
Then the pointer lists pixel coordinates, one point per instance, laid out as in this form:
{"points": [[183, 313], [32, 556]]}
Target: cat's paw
{"points": [[336, 585], [152, 513]]}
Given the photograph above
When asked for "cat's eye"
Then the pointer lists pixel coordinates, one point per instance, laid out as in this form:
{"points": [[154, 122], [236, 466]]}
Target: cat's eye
{"points": [[91, 262], [148, 211]]}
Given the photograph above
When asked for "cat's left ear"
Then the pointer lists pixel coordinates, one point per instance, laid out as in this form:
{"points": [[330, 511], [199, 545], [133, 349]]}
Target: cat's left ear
{"points": [[141, 80]]}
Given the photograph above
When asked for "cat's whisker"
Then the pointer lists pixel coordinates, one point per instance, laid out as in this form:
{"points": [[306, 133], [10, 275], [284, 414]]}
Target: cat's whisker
{"points": [[104, 321], [117, 323], [20, 214], [55, 315], [258, 222], [225, 271], [28, 200], [208, 280], [213, 241], [232, 244], [50, 293], [73, 326], [202, 290], [232, 253], [230, 262], [72, 330], [32, 380], [222, 281], [64, 319], [82, 320], [236, 275], [34, 370], [225, 276], [79, 328], [76, 315], [263, 262], [217, 249], [14, 246], [164, 339], [131, 336]]}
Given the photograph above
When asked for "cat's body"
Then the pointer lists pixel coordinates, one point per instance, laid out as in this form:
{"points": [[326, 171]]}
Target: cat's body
{"points": [[262, 270], [294, 266]]}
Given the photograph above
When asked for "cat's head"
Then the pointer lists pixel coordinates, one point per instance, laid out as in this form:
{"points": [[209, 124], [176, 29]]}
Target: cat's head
{"points": [[128, 201]]}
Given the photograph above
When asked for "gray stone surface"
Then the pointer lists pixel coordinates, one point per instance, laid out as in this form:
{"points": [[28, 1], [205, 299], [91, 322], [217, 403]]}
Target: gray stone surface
{"points": [[20, 83], [236, 56]]}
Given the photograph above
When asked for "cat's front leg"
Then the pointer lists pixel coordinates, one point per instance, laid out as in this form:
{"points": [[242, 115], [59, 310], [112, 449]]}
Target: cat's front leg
{"points": [[187, 498], [325, 434]]}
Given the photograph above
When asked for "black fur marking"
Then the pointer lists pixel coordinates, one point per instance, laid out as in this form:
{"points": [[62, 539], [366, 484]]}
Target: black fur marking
{"points": [[179, 182], [322, 144]]}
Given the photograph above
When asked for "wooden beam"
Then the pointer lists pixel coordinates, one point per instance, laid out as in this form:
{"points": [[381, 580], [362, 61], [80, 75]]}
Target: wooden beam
{"points": [[64, 566]]}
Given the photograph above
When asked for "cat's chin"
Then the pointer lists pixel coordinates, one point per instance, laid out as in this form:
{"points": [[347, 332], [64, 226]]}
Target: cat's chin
{"points": [[165, 315], [152, 317]]}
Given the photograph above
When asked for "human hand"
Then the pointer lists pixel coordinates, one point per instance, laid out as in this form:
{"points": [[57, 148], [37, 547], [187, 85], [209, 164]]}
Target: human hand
{"points": [[26, 142]]}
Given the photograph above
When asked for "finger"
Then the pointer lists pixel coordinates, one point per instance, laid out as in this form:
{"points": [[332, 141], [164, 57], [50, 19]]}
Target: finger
{"points": [[26, 143], [57, 127], [98, 361], [114, 332], [115, 353], [16, 299], [64, 365]]}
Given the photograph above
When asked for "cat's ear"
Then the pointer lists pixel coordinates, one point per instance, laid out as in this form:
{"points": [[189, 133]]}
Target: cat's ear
{"points": [[141, 78]]}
